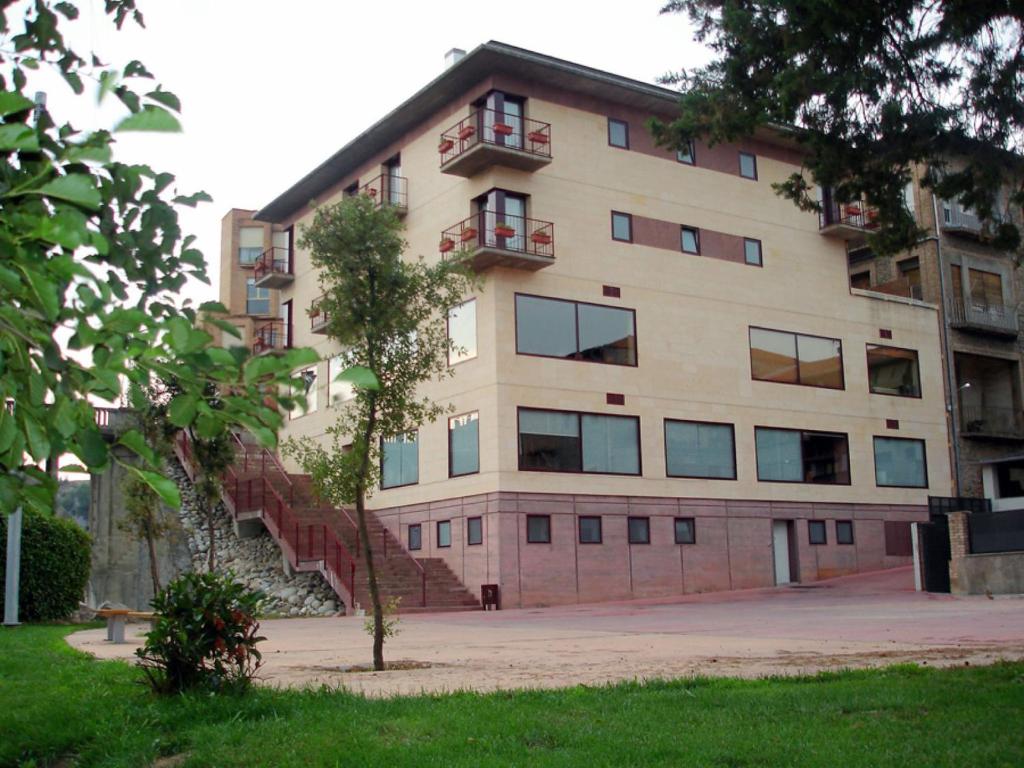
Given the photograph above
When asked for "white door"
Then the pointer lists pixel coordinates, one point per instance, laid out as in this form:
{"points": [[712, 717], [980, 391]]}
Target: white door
{"points": [[780, 547]]}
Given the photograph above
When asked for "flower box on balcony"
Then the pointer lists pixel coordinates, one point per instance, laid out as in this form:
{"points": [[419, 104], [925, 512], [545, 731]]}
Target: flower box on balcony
{"points": [[371, 192], [503, 230], [537, 137], [468, 233], [541, 238], [853, 210], [503, 129], [445, 146], [466, 132], [446, 245]]}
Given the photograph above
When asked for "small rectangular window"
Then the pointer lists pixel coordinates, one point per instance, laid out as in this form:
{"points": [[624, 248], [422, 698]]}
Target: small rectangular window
{"points": [[748, 165], [444, 533], [399, 461], [795, 456], [463, 444], [686, 531], [900, 463], [689, 240], [474, 531], [796, 358], [699, 449], [844, 532], [622, 227], [639, 530], [590, 530], [686, 154], [816, 532], [618, 133], [893, 371], [752, 251], [462, 332], [538, 529], [415, 536]]}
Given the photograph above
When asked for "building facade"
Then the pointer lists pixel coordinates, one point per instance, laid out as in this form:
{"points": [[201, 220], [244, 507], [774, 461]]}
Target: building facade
{"points": [[667, 384]]}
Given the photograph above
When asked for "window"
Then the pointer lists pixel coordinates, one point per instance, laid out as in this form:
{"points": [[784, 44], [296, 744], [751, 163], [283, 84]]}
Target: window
{"points": [[689, 240], [699, 449], [352, 189], [686, 154], [986, 289], [415, 536], [900, 463], [844, 532], [893, 371], [639, 530], [575, 331], [462, 332], [250, 245], [444, 533], [795, 358], [748, 165], [538, 529], [622, 227], [565, 441], [910, 270], [590, 529], [474, 531], [1009, 479], [399, 461], [816, 532], [338, 391], [309, 389], [752, 251], [861, 281], [257, 300], [463, 444], [286, 316], [795, 456], [618, 133], [686, 530]]}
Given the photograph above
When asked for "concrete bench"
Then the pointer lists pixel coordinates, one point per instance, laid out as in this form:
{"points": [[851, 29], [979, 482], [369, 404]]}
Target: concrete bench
{"points": [[117, 618]]}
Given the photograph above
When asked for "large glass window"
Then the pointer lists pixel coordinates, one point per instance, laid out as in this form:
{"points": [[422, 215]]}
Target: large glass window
{"points": [[399, 461], [795, 456], [463, 444], [257, 300], [893, 371], [900, 463], [794, 358], [250, 245], [560, 441], [699, 449], [462, 332], [567, 329]]}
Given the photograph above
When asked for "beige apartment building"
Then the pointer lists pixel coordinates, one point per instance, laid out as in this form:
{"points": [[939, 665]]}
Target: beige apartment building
{"points": [[669, 385]]}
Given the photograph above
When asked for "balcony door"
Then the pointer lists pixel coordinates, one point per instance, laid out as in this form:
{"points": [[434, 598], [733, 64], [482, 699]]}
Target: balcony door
{"points": [[503, 120], [499, 209], [393, 181]]}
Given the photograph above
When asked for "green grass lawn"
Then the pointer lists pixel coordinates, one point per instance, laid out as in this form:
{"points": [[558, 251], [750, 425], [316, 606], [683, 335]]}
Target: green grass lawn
{"points": [[58, 707]]}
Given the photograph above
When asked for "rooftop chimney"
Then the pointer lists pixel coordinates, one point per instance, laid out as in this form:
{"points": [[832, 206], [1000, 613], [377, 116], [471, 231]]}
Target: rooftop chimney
{"points": [[454, 56]]}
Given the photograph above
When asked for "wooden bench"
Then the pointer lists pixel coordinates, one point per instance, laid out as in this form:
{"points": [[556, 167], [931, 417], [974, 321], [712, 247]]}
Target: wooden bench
{"points": [[118, 617]]}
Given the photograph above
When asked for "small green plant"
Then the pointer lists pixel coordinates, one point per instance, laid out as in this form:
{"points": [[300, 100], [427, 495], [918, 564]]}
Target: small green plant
{"points": [[204, 636], [390, 620]]}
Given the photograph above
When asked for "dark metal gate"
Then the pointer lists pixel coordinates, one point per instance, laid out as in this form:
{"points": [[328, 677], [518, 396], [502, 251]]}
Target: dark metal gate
{"points": [[935, 554]]}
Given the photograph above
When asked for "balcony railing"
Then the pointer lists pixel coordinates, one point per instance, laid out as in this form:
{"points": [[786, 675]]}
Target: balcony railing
{"points": [[318, 317], [488, 136], [992, 318], [847, 220], [270, 337], [956, 218], [388, 190], [898, 287], [509, 241], [273, 268], [991, 421]]}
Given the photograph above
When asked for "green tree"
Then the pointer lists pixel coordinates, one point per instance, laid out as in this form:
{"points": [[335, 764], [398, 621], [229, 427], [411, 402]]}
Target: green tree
{"points": [[872, 88], [144, 520], [94, 262], [388, 316]]}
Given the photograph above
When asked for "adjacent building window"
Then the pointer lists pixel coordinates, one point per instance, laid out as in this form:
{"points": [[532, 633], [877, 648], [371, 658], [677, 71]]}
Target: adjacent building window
{"points": [[985, 288], [844, 532], [538, 529], [910, 269], [802, 456], [590, 529], [686, 154], [462, 332], [474, 531], [689, 240], [752, 251], [1009, 479], [639, 530], [463, 444], [444, 533], [699, 449], [338, 391], [250, 245], [893, 371], [257, 300], [618, 133], [900, 463], [686, 530], [748, 165], [565, 441], [816, 532], [796, 358], [399, 461], [575, 331], [622, 227], [415, 536]]}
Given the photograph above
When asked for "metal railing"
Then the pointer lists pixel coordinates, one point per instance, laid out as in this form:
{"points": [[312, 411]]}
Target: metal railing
{"points": [[274, 260], [509, 233], [991, 420], [989, 316], [955, 217], [488, 126], [317, 314], [856, 215], [270, 336], [388, 190]]}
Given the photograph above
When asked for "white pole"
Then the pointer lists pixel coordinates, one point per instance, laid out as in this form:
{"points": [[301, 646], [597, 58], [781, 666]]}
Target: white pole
{"points": [[13, 569]]}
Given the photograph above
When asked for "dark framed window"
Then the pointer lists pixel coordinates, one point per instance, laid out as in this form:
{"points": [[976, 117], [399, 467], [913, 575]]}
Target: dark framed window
{"points": [[893, 371], [618, 133], [752, 252], [748, 165], [796, 358], [622, 227], [900, 462], [1009, 479], [590, 529], [639, 530], [816, 532], [399, 461], [802, 456], [700, 449], [574, 330], [462, 332], [686, 530], [686, 154], [689, 240], [538, 529], [568, 441], [844, 532], [464, 444], [444, 533], [257, 300], [415, 536], [474, 531]]}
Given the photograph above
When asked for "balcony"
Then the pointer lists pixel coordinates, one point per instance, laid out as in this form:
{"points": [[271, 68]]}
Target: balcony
{"points": [[390, 191], [318, 317], [958, 220], [273, 269], [847, 221], [488, 137], [991, 421], [993, 319], [513, 241], [270, 337]]}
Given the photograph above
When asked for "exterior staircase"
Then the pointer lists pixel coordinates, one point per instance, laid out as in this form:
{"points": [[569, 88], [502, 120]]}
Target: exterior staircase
{"points": [[315, 536]]}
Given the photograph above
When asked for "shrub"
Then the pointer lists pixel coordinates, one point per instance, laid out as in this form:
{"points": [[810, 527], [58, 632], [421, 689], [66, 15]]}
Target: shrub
{"points": [[204, 636], [55, 561]]}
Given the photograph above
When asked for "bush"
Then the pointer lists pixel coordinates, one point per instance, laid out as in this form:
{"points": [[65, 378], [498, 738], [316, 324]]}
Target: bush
{"points": [[55, 561], [204, 636]]}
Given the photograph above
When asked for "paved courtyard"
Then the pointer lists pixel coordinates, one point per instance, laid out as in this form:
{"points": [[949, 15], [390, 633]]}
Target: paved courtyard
{"points": [[859, 621]]}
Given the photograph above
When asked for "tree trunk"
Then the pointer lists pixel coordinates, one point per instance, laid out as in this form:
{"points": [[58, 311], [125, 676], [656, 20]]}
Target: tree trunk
{"points": [[154, 570], [211, 556], [371, 573]]}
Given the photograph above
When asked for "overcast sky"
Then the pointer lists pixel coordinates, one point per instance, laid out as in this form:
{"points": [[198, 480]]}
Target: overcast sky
{"points": [[270, 89]]}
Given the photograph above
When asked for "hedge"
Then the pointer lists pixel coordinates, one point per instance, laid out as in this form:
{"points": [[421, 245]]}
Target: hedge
{"points": [[55, 559]]}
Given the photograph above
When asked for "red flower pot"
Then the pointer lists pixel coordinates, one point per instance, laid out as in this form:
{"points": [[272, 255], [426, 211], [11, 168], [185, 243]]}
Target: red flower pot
{"points": [[468, 234], [503, 129], [536, 137], [541, 238], [446, 245], [445, 146], [466, 132], [504, 231]]}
